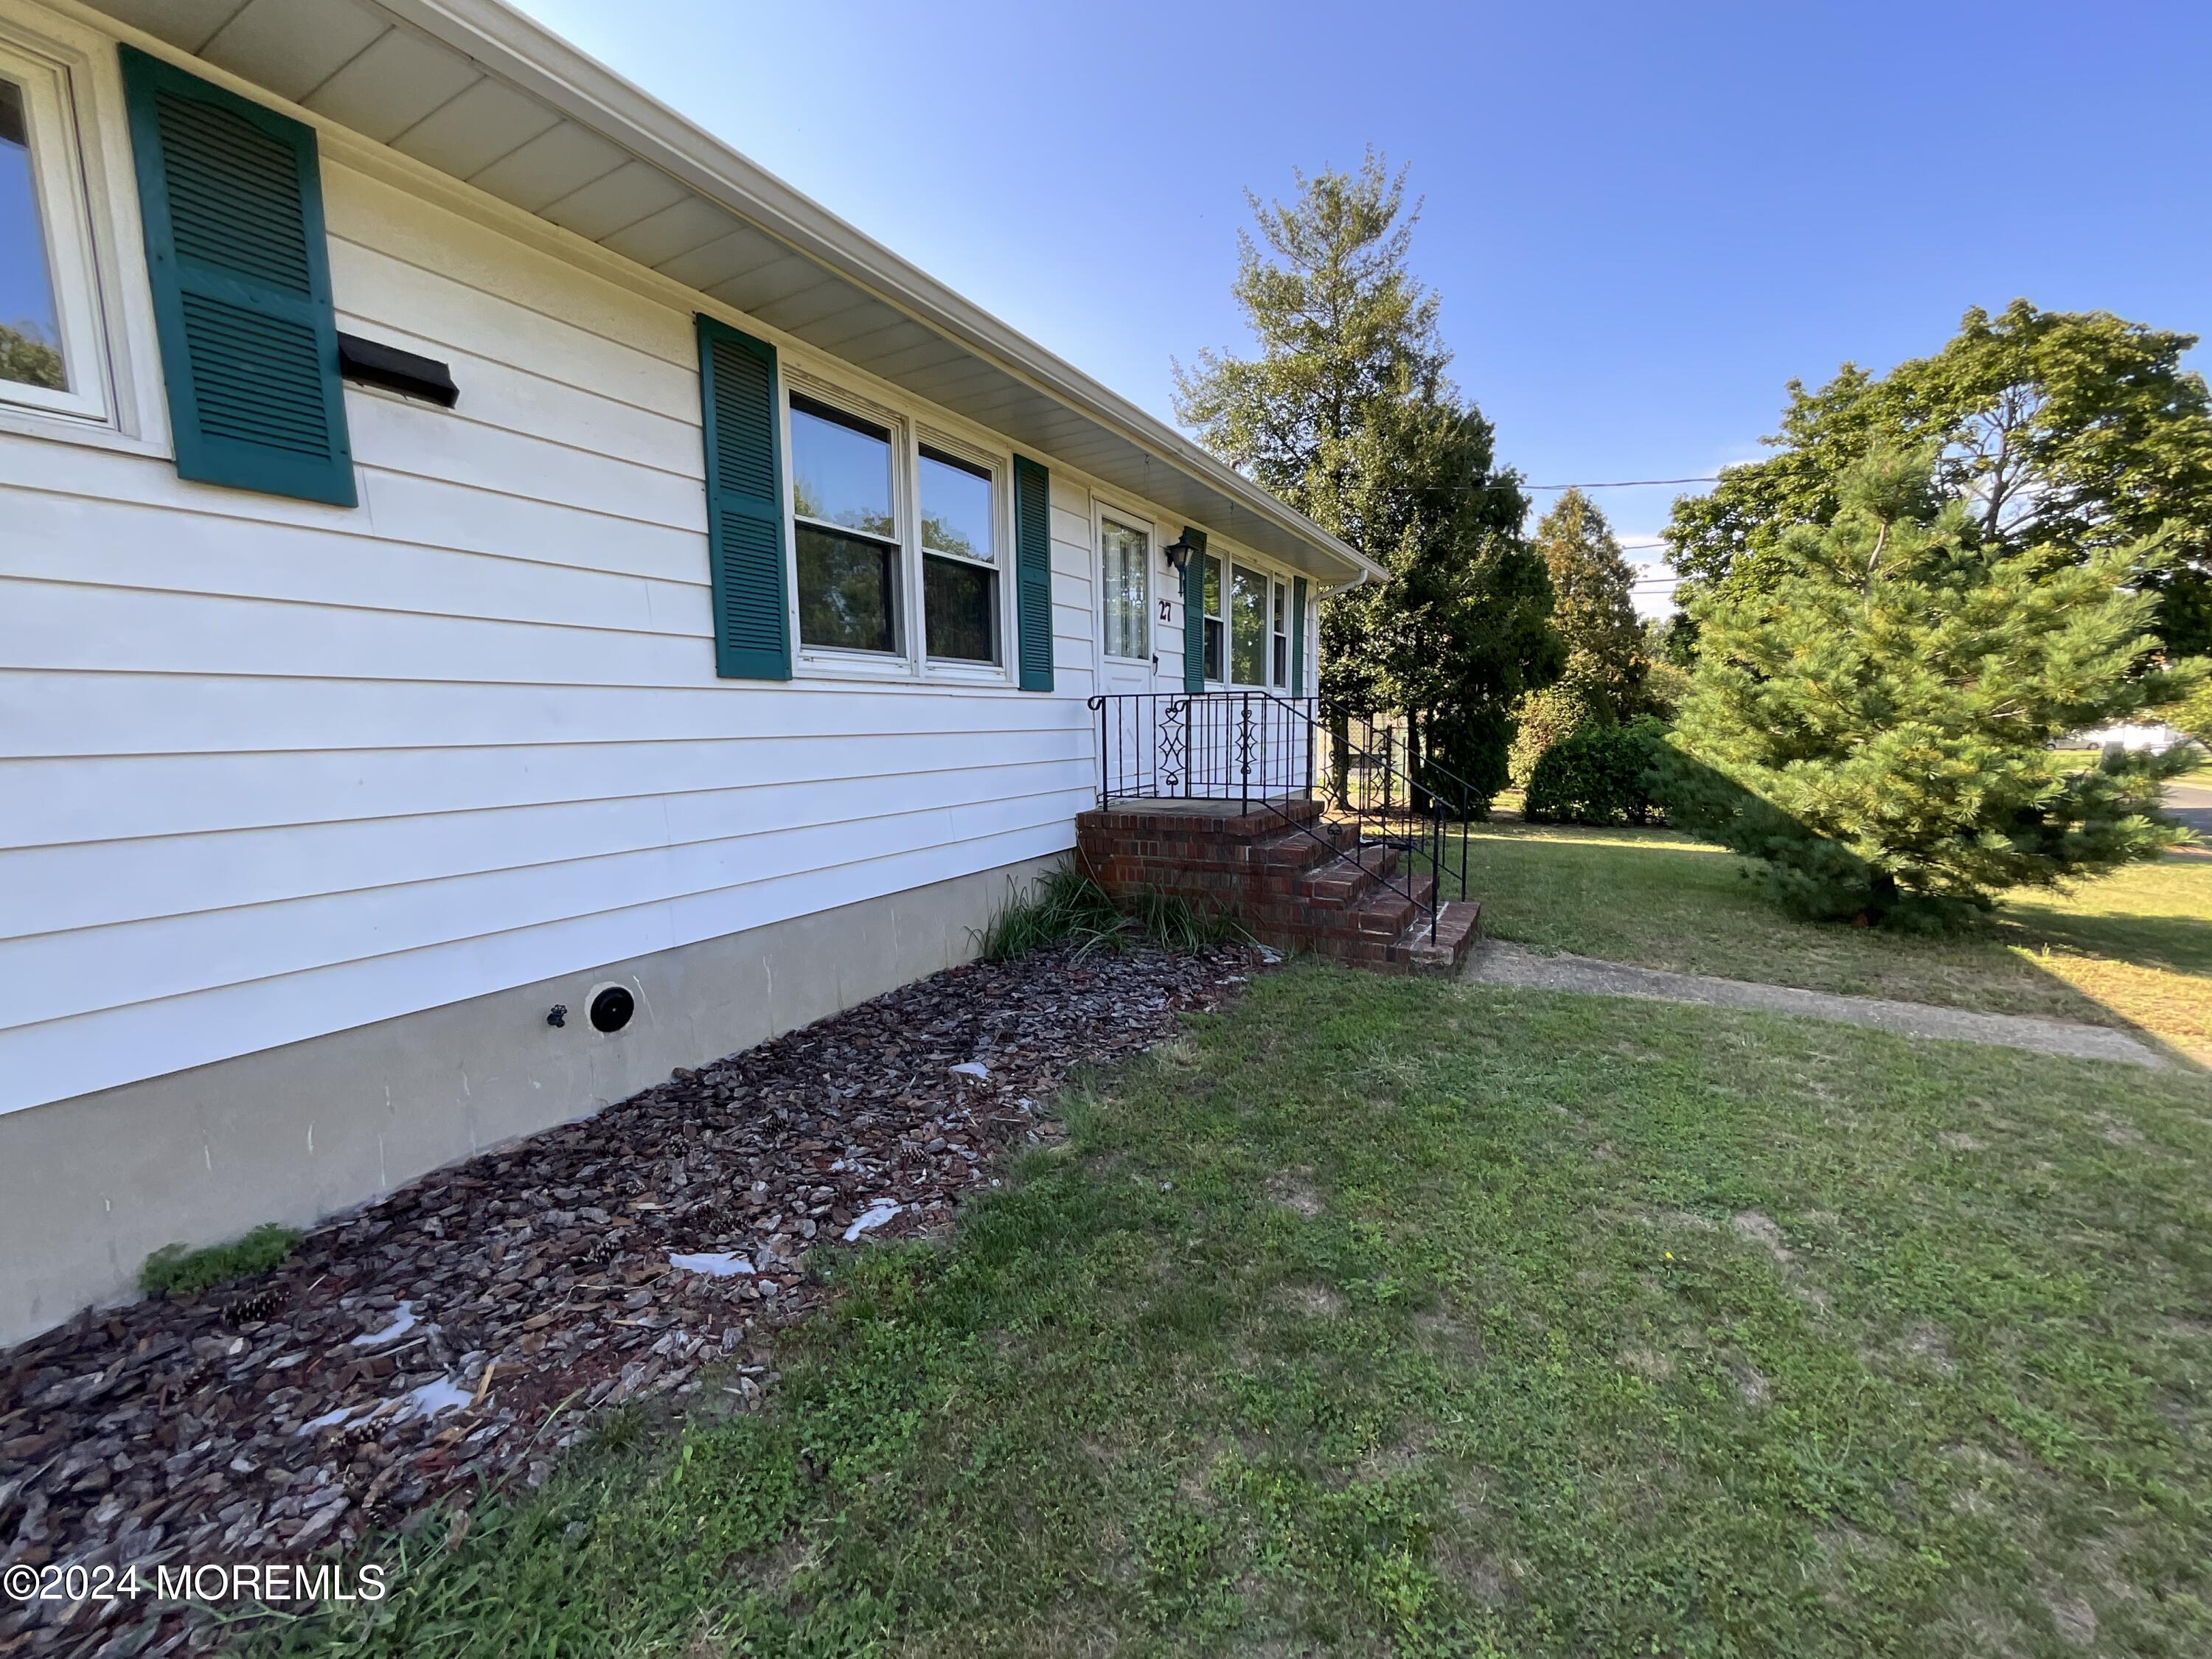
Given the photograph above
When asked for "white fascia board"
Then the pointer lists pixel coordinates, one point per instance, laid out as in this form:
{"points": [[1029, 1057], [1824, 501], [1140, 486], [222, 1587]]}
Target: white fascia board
{"points": [[513, 47]]}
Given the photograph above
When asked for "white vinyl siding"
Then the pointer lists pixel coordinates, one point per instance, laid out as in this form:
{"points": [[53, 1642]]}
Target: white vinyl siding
{"points": [[275, 769]]}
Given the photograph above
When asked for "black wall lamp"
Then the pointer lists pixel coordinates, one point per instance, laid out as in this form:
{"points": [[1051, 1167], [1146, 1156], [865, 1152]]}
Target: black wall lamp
{"points": [[1178, 553]]}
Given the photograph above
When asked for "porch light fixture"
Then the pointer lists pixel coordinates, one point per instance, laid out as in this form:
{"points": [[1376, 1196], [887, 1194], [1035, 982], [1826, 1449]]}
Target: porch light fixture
{"points": [[1178, 553]]}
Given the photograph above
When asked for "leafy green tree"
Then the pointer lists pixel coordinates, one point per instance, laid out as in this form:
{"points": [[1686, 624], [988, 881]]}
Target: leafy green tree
{"points": [[1593, 608], [2192, 715], [1346, 412], [1669, 680], [2069, 432], [1874, 721], [1462, 628], [1545, 719]]}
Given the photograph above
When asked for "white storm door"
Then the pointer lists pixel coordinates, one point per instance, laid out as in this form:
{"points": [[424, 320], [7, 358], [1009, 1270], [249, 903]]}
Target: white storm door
{"points": [[1126, 657]]}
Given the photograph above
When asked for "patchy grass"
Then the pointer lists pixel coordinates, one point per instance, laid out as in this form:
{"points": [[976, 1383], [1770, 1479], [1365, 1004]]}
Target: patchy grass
{"points": [[174, 1271], [1385, 1316], [2133, 949]]}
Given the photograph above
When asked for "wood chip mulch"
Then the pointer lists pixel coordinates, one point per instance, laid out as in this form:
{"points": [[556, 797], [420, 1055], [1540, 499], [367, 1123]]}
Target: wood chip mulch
{"points": [[466, 1328]]}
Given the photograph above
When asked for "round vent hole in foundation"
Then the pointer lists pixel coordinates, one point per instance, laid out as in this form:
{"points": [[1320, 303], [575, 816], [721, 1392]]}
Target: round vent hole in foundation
{"points": [[612, 1009]]}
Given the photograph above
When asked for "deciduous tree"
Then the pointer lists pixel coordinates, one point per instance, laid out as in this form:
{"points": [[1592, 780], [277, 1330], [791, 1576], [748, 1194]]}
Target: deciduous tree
{"points": [[2069, 432]]}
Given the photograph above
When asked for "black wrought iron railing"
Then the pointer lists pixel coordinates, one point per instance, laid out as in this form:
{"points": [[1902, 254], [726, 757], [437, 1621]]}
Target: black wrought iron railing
{"points": [[1260, 749], [1244, 746]]}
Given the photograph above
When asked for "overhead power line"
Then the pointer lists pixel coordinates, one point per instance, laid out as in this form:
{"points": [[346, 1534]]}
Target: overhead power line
{"points": [[1613, 483], [1625, 484]]}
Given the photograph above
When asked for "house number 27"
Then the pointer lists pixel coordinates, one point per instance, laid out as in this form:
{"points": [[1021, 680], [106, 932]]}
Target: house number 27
{"points": [[1164, 608]]}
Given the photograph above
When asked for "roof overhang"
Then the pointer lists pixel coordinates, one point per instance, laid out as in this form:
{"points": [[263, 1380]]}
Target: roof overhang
{"points": [[482, 94]]}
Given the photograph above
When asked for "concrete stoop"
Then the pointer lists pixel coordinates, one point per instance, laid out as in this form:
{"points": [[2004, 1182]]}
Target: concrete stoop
{"points": [[1294, 880]]}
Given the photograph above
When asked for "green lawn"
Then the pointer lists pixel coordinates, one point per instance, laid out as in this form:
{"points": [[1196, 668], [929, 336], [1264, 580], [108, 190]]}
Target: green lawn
{"points": [[1387, 1316], [2133, 949]]}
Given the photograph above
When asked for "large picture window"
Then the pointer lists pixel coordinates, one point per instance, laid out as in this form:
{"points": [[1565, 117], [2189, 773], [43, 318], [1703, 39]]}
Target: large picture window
{"points": [[1247, 627], [846, 529], [1125, 554], [959, 558], [50, 356]]}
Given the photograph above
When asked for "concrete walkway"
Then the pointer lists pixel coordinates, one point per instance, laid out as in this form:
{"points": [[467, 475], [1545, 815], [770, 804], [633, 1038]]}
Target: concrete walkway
{"points": [[2192, 803], [1496, 963]]}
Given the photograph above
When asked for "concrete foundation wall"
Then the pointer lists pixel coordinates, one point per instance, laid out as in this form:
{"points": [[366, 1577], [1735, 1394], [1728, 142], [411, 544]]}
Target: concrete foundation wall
{"points": [[90, 1186]]}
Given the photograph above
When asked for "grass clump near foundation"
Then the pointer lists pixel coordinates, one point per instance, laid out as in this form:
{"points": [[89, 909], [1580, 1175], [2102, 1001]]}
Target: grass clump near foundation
{"points": [[1067, 906], [175, 1272], [1064, 905]]}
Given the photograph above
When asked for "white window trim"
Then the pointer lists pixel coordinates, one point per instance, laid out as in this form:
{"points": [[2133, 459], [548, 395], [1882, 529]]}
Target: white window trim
{"points": [[1000, 464], [1279, 611], [1230, 565], [1206, 616], [909, 663], [67, 180], [1276, 578], [894, 664], [1103, 508]]}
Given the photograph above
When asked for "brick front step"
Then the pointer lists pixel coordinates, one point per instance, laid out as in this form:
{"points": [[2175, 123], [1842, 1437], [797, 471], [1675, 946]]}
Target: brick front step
{"points": [[1292, 879], [1459, 928], [1345, 880]]}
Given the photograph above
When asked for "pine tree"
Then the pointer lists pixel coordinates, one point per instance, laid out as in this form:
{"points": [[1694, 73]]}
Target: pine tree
{"points": [[1875, 722], [1347, 414]]}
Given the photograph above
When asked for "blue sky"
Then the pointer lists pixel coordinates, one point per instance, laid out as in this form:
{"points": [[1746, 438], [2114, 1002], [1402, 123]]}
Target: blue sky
{"points": [[1642, 219], [26, 290]]}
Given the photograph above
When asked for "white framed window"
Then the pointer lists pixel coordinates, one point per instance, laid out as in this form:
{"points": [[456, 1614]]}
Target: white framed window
{"points": [[1125, 586], [54, 347], [900, 537], [1214, 624], [1279, 665], [1248, 626], [848, 533], [961, 558]]}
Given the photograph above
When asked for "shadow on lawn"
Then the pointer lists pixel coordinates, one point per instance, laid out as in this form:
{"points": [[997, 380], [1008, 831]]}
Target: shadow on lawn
{"points": [[2174, 944], [1637, 894], [2151, 942]]}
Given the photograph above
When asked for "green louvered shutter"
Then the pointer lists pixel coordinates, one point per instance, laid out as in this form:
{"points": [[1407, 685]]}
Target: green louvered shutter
{"points": [[232, 198], [1033, 571], [1194, 612], [1298, 637], [745, 504]]}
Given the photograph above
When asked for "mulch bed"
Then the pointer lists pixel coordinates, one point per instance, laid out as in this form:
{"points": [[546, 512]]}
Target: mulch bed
{"points": [[467, 1327]]}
